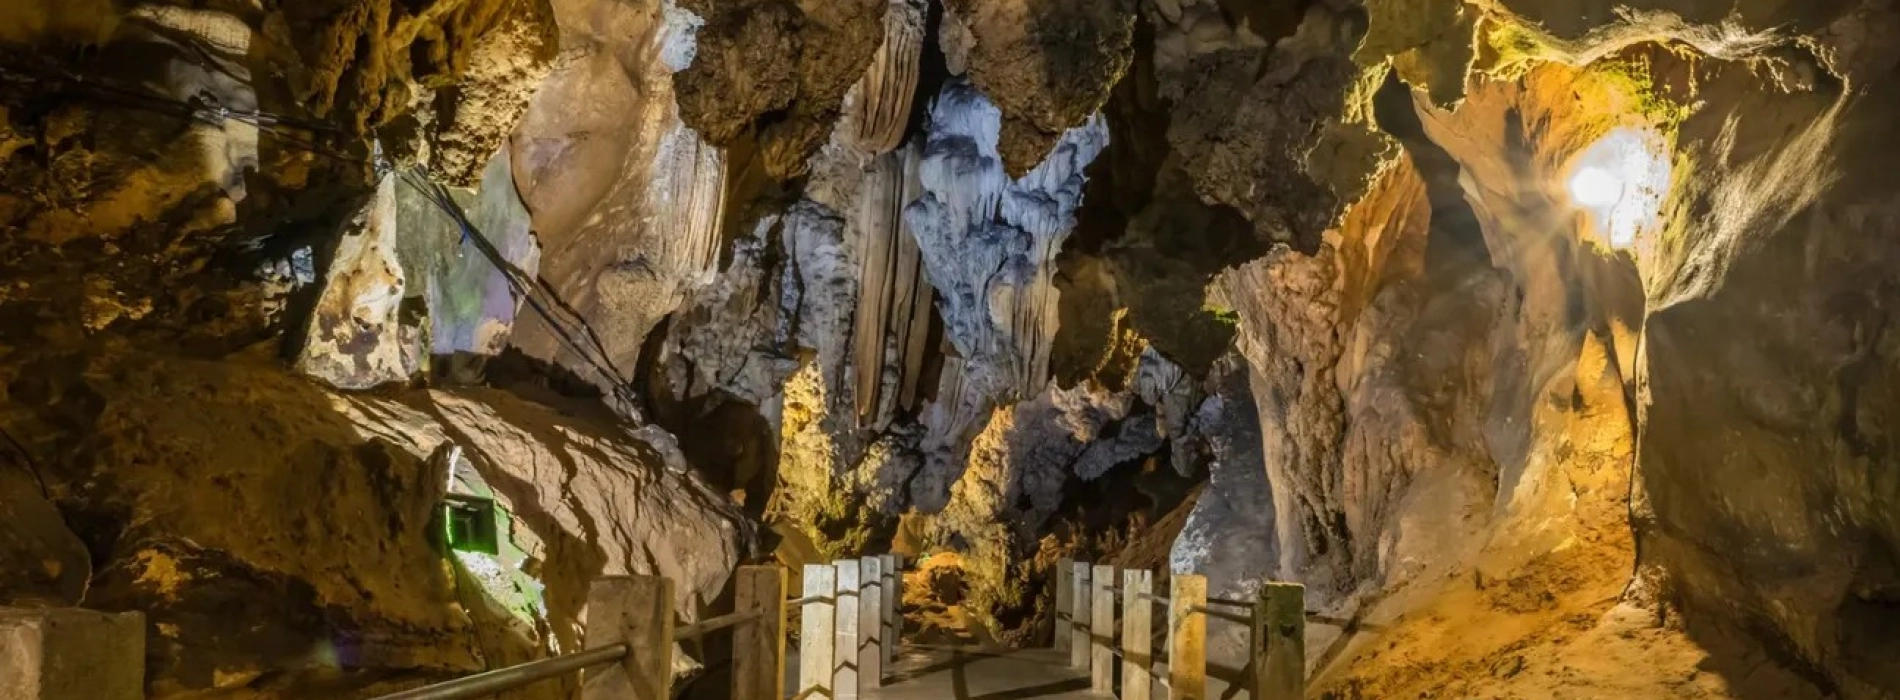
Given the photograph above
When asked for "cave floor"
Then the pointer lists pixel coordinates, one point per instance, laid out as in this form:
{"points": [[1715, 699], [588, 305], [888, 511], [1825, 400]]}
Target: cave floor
{"points": [[972, 673]]}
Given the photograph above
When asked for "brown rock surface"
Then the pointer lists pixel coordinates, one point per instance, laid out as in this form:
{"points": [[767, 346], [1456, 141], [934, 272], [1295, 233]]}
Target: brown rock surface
{"points": [[1048, 65], [625, 198], [778, 68], [209, 487], [1327, 257]]}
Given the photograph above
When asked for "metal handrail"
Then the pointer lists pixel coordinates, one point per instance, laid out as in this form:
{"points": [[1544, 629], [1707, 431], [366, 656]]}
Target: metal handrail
{"points": [[491, 682], [1222, 614], [714, 624]]}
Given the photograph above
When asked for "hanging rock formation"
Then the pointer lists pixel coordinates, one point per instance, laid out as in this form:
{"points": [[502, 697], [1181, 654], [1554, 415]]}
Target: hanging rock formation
{"points": [[1047, 66], [626, 198], [877, 109], [791, 61], [1554, 328], [987, 242], [894, 299]]}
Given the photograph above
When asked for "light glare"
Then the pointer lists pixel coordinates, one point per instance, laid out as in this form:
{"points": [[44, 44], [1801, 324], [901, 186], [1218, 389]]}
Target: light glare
{"points": [[1596, 188], [1622, 180]]}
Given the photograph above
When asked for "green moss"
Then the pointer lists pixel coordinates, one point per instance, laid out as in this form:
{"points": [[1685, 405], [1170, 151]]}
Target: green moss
{"points": [[1518, 48], [1222, 315], [1632, 77]]}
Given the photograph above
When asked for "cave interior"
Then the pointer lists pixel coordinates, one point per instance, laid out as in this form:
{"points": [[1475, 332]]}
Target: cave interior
{"points": [[347, 341]]}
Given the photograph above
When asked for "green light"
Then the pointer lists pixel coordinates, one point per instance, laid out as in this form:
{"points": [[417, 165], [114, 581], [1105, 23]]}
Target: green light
{"points": [[471, 524]]}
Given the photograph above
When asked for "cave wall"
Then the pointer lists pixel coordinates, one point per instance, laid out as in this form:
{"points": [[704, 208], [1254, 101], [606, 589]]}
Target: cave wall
{"points": [[173, 269], [1766, 486], [1006, 278], [626, 198], [1520, 405]]}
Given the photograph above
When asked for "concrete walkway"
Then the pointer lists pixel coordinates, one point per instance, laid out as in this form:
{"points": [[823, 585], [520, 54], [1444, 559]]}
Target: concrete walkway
{"points": [[968, 673]]}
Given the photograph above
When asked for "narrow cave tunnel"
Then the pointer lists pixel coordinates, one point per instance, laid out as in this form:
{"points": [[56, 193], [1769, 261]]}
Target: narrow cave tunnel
{"points": [[346, 344]]}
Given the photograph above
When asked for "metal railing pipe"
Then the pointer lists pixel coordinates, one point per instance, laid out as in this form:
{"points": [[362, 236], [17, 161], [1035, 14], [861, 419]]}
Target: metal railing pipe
{"points": [[512, 677], [714, 624]]}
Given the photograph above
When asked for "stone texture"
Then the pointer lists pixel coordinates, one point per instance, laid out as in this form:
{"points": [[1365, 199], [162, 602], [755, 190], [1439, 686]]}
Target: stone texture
{"points": [[45, 563], [988, 243], [206, 473], [602, 501], [1228, 534], [1445, 404], [48, 654], [1799, 407], [358, 336], [1047, 66], [279, 547], [878, 108], [626, 199], [495, 77], [791, 60]]}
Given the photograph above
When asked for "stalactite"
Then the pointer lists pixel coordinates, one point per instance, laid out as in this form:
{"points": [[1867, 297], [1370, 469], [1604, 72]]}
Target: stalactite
{"points": [[878, 107], [988, 244], [689, 188], [889, 296], [914, 297]]}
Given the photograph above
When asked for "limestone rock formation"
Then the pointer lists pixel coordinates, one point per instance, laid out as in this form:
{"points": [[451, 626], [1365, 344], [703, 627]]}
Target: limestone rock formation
{"points": [[46, 562], [1797, 408], [1228, 534], [1552, 327], [351, 579], [878, 108], [790, 61], [626, 199], [987, 243], [357, 337], [1047, 66], [894, 299]]}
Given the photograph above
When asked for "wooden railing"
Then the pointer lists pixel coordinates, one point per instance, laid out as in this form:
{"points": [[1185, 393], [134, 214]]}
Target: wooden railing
{"points": [[849, 626], [849, 604], [1104, 625]]}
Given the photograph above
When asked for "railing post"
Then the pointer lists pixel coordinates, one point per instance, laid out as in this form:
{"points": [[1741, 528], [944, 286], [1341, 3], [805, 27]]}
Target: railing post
{"points": [[1279, 642], [758, 647], [1187, 637], [871, 624], [1079, 650], [893, 599], [1102, 631], [637, 611], [1137, 635], [1065, 603], [844, 681], [815, 636]]}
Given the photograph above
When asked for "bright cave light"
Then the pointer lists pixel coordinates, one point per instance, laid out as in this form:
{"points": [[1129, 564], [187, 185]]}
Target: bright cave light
{"points": [[1622, 180]]}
